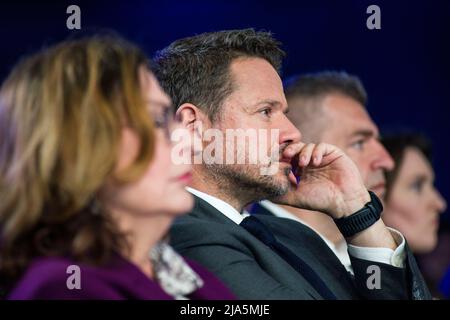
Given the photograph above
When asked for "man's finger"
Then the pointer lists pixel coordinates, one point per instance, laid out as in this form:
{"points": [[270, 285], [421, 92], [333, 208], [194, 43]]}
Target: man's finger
{"points": [[318, 153], [305, 154], [293, 149]]}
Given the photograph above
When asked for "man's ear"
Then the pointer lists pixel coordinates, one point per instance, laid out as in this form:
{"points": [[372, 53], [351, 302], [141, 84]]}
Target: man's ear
{"points": [[192, 117]]}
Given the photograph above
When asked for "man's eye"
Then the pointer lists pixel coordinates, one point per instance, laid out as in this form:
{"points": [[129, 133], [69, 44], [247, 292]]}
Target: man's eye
{"points": [[266, 112], [358, 145]]}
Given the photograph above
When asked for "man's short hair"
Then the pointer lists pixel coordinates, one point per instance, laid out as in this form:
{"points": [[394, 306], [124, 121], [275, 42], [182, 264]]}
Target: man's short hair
{"points": [[305, 94], [321, 84], [196, 69]]}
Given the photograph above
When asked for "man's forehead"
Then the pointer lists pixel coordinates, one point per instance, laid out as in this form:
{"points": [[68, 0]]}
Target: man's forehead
{"points": [[349, 115], [257, 78]]}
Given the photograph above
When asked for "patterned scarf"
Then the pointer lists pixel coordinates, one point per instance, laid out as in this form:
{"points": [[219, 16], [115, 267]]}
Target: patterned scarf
{"points": [[173, 274]]}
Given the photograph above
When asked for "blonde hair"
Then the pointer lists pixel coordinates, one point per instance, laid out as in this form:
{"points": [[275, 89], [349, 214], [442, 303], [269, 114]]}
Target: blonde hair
{"points": [[62, 111]]}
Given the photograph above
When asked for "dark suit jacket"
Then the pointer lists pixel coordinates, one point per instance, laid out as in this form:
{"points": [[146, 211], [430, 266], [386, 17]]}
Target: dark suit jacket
{"points": [[253, 271]]}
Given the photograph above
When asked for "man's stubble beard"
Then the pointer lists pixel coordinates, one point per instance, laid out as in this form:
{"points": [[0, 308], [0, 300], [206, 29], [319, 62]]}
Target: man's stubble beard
{"points": [[246, 183]]}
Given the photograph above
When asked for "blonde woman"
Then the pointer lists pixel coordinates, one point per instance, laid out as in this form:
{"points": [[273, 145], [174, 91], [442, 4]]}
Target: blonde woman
{"points": [[87, 185]]}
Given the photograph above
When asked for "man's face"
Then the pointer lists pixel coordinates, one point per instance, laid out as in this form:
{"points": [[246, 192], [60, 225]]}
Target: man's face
{"points": [[257, 102], [349, 127]]}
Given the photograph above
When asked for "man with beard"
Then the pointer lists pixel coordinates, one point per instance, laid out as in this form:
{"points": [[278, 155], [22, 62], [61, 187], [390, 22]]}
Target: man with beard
{"points": [[229, 80]]}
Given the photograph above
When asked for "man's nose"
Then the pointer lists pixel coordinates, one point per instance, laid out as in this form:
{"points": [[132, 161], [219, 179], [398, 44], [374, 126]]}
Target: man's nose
{"points": [[288, 131], [382, 159]]}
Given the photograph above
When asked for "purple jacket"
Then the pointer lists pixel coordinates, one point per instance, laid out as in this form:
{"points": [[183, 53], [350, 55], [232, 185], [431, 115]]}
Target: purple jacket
{"points": [[46, 278]]}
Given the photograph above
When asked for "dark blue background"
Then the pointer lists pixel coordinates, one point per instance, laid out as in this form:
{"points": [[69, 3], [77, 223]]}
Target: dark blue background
{"points": [[405, 66]]}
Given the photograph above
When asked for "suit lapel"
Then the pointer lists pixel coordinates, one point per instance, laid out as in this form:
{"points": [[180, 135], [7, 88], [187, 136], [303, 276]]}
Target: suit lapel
{"points": [[203, 210]]}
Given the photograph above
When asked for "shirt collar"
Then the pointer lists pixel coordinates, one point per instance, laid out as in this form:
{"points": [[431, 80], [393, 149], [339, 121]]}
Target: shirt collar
{"points": [[229, 211]]}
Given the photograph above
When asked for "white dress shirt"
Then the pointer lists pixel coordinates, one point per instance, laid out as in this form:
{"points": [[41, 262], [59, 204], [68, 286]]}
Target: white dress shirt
{"points": [[395, 257]]}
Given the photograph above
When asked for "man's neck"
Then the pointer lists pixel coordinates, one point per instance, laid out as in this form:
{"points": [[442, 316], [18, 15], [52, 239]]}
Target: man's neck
{"points": [[319, 221], [209, 185]]}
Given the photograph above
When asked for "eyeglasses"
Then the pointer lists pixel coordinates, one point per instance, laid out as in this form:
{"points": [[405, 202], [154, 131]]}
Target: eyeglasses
{"points": [[166, 120]]}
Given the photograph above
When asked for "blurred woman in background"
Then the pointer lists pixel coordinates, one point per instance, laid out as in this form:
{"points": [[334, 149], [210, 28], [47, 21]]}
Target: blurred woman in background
{"points": [[87, 185], [412, 204]]}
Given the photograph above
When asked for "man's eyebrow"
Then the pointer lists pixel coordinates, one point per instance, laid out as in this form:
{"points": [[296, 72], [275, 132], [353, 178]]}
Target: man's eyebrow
{"points": [[273, 103], [367, 133]]}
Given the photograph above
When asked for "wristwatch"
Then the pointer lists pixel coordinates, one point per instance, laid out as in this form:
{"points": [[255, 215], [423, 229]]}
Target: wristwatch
{"points": [[361, 219]]}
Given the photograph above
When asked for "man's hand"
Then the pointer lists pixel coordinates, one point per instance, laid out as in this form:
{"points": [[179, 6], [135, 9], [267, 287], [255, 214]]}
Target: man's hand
{"points": [[331, 183], [329, 180]]}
